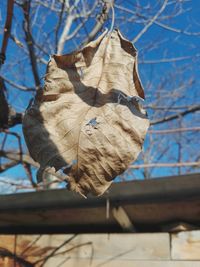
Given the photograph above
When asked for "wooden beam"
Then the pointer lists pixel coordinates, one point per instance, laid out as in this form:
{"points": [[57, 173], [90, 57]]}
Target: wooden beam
{"points": [[186, 245], [149, 204], [123, 219]]}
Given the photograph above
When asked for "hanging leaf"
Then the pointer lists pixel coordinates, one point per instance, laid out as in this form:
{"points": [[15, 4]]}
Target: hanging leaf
{"points": [[87, 120]]}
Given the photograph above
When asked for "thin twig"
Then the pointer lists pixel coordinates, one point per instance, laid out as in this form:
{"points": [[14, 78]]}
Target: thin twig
{"points": [[18, 86], [14, 155], [166, 27], [68, 23], [65, 32], [170, 28], [150, 22], [172, 131], [30, 42], [27, 169], [165, 165], [82, 22], [6, 166], [168, 60], [59, 24], [102, 18], [191, 109]]}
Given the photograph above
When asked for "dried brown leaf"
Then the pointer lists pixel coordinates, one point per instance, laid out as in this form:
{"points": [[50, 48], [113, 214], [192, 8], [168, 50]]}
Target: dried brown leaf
{"points": [[87, 119]]}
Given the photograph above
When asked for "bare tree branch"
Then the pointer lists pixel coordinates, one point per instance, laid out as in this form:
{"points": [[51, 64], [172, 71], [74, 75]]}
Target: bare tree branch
{"points": [[7, 30], [82, 23], [172, 131], [6, 166], [68, 24], [65, 32], [102, 18], [168, 60], [27, 169], [29, 41], [191, 109], [18, 86], [13, 155], [59, 25], [150, 22], [164, 165], [167, 27], [8, 116], [4, 108]]}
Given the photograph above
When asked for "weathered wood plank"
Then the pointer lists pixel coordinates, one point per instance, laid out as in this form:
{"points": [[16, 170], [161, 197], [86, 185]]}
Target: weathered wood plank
{"points": [[186, 245], [87, 248], [58, 261], [124, 263]]}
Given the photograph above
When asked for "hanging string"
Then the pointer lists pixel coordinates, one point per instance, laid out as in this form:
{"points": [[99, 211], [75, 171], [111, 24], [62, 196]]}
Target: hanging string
{"points": [[108, 4], [113, 18], [107, 205]]}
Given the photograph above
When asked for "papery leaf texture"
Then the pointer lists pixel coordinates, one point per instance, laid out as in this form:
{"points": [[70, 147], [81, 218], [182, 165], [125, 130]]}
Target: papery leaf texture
{"points": [[87, 120]]}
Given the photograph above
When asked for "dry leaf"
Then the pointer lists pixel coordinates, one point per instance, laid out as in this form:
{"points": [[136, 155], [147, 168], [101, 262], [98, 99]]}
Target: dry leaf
{"points": [[87, 120]]}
